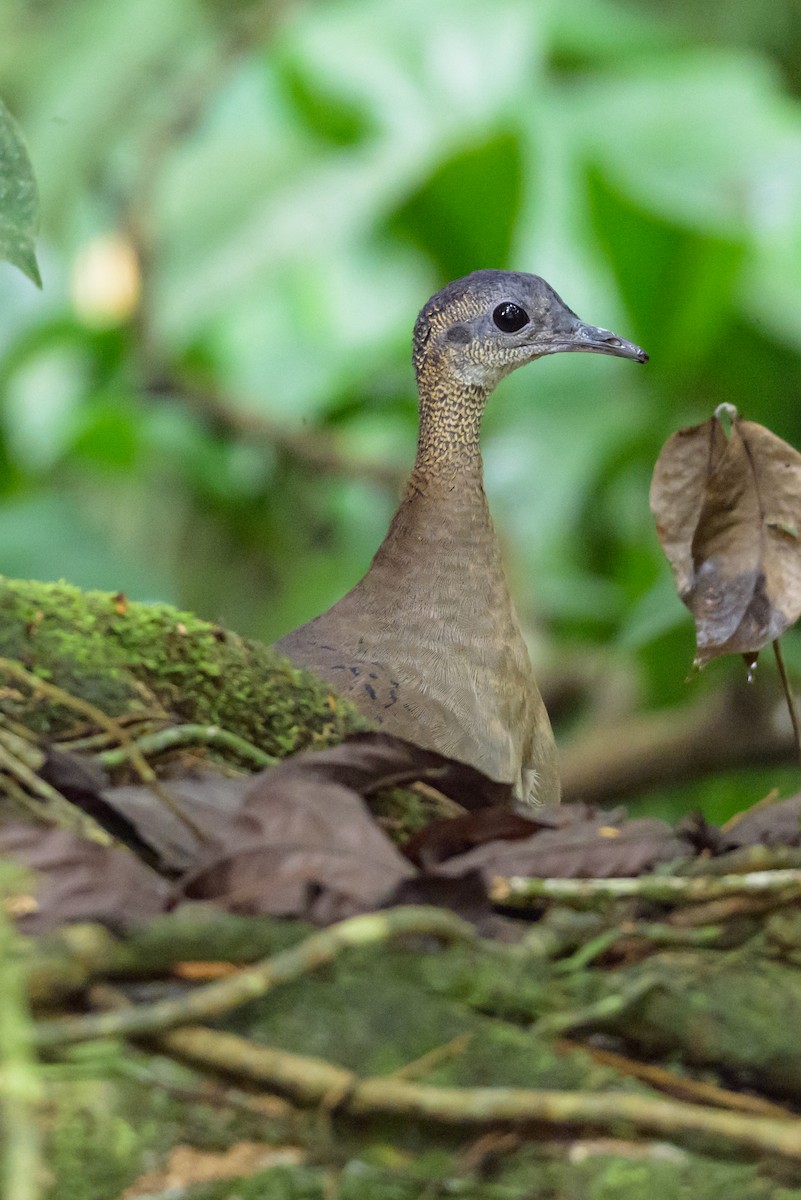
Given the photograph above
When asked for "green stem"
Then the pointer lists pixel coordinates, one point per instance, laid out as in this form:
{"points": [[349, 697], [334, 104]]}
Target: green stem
{"points": [[670, 889], [19, 1080], [188, 735]]}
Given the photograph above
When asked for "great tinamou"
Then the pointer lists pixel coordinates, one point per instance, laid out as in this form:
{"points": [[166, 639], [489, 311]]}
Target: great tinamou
{"points": [[428, 644]]}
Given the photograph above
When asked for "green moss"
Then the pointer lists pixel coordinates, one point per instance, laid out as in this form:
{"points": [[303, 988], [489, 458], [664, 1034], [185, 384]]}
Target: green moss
{"points": [[519, 1176], [125, 657], [415, 1002], [676, 1176], [374, 1010], [93, 1157], [403, 812], [110, 1119]]}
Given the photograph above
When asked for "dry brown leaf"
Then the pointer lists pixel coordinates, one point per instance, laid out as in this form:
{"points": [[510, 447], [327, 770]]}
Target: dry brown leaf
{"points": [[449, 836], [364, 763], [210, 800], [576, 851], [304, 842], [298, 840], [78, 880], [295, 840], [83, 782], [776, 824], [728, 516]]}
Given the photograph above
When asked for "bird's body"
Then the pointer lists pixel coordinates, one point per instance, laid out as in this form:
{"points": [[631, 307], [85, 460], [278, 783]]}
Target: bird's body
{"points": [[428, 643]]}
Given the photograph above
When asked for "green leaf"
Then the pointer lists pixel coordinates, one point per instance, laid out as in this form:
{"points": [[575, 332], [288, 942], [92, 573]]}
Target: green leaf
{"points": [[48, 534], [19, 200], [465, 212]]}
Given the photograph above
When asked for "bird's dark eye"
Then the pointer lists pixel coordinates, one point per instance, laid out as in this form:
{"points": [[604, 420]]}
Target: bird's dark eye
{"points": [[510, 317]]}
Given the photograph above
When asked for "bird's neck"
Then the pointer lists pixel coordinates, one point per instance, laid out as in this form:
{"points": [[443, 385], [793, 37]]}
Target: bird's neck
{"points": [[444, 512], [441, 555], [448, 449]]}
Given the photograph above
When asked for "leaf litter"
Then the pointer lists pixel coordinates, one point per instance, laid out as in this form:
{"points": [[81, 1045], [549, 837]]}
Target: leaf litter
{"points": [[299, 840]]}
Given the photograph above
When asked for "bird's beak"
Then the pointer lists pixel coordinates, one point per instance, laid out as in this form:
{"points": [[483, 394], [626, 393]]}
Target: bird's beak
{"points": [[598, 341]]}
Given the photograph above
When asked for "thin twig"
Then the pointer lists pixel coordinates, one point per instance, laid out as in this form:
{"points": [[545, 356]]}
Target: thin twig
{"points": [[654, 933], [215, 999], [745, 860], [597, 1013], [434, 1058], [682, 1087], [788, 695], [146, 772], [779, 886], [175, 736], [41, 799], [137, 724], [312, 1081]]}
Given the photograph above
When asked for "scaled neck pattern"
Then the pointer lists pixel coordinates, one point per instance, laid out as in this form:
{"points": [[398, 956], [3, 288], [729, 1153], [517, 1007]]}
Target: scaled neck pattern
{"points": [[444, 520], [448, 449]]}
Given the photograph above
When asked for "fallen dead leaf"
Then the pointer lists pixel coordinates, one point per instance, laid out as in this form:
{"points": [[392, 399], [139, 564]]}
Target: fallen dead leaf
{"points": [[299, 840], [304, 842], [79, 880], [300, 846], [446, 838], [209, 799], [580, 851], [81, 781], [777, 824]]}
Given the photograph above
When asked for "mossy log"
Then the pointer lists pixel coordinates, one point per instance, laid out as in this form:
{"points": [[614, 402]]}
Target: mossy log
{"points": [[466, 1021], [153, 662]]}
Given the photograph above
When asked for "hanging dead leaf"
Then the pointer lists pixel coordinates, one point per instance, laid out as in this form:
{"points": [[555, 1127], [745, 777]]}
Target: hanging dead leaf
{"points": [[728, 516]]}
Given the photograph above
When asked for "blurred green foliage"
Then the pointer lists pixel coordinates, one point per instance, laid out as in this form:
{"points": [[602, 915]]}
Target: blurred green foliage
{"points": [[244, 205]]}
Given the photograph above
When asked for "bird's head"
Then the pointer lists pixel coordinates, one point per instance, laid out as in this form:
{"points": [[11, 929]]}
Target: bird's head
{"points": [[481, 327]]}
